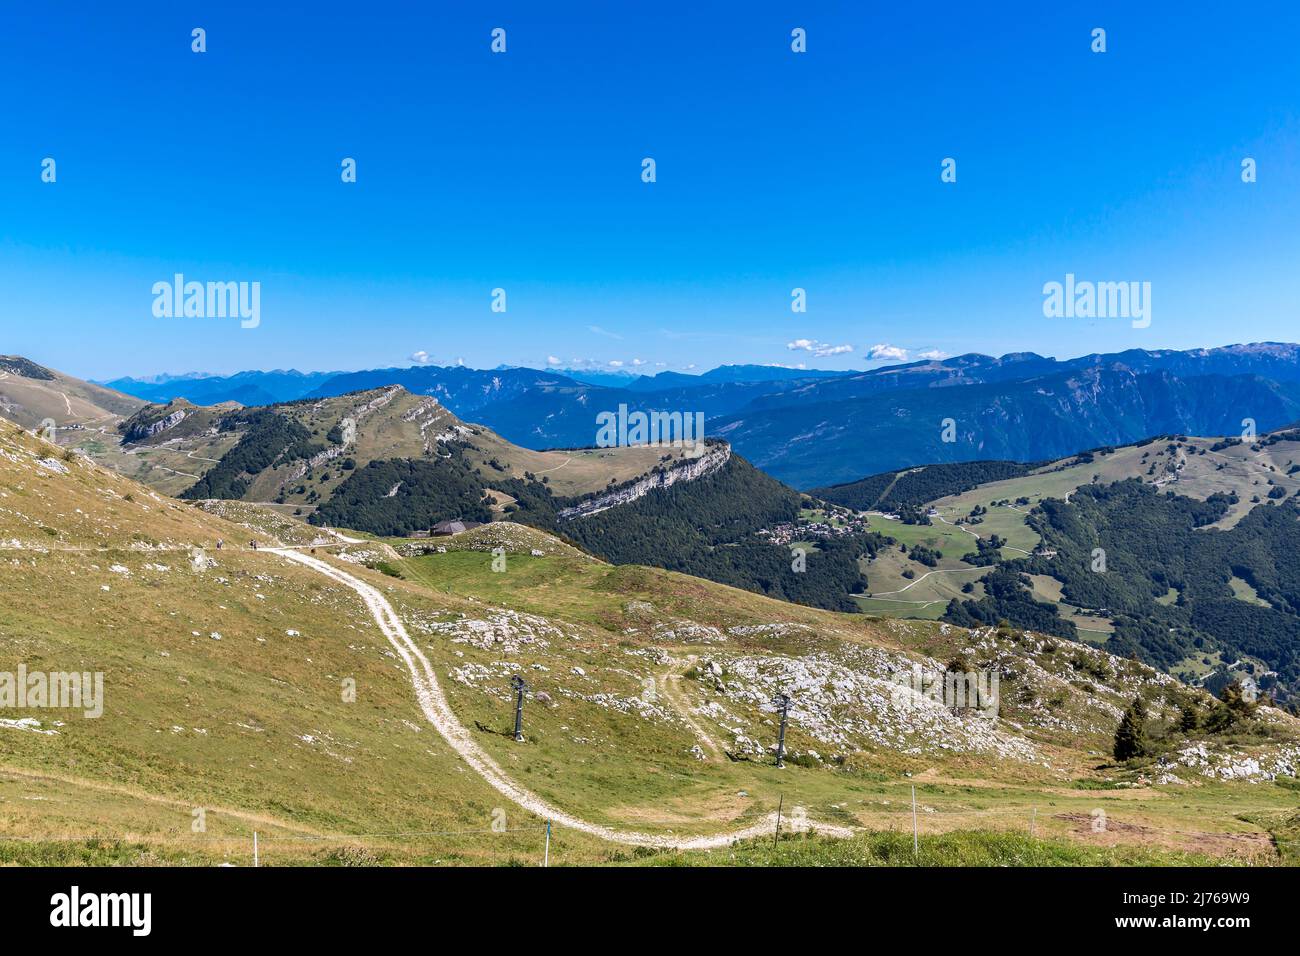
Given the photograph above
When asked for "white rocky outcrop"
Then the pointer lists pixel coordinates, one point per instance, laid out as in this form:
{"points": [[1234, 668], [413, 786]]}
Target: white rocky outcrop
{"points": [[690, 469], [141, 432]]}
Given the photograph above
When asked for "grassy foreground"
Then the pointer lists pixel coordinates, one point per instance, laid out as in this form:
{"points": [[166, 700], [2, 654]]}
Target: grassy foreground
{"points": [[967, 848], [960, 848]]}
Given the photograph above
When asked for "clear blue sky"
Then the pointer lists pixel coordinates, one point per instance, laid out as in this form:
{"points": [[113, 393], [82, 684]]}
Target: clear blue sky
{"points": [[522, 171]]}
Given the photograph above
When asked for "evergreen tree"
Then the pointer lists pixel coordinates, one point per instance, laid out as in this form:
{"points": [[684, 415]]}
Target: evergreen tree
{"points": [[1238, 701], [1189, 719], [1131, 736], [1234, 706]]}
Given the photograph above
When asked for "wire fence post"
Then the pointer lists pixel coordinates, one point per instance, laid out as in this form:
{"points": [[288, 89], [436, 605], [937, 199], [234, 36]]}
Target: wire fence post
{"points": [[546, 854], [255, 862], [777, 835], [916, 843], [1033, 823]]}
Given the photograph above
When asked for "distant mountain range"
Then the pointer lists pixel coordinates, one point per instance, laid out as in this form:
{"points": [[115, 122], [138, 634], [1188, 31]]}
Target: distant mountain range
{"points": [[246, 388], [665, 380], [1044, 417], [262, 388], [813, 428]]}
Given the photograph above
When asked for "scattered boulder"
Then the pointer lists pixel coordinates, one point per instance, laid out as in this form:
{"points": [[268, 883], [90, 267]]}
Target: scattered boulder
{"points": [[200, 562]]}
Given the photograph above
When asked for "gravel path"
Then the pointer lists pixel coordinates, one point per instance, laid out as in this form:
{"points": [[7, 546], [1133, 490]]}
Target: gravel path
{"points": [[439, 713]]}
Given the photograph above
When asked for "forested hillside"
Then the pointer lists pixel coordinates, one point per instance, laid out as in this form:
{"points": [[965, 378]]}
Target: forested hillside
{"points": [[399, 496], [708, 528], [269, 439], [1176, 589], [1008, 598]]}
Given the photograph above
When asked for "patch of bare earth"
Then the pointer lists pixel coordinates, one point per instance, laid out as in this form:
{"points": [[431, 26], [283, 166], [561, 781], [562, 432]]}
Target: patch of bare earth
{"points": [[1246, 846]]}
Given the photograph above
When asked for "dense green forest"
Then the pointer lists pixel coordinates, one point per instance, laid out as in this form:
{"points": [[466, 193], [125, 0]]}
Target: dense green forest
{"points": [[269, 439], [720, 508], [1147, 560], [1008, 598], [398, 496], [707, 527]]}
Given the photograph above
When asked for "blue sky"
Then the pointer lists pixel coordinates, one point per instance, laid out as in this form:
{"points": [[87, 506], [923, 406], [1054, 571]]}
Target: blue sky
{"points": [[522, 171]]}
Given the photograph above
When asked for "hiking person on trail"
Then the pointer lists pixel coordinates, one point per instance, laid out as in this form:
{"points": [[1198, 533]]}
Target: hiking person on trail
{"points": [[253, 544], [219, 544]]}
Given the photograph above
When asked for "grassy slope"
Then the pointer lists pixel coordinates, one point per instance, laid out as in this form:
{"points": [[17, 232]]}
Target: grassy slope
{"points": [[254, 727], [67, 400], [169, 467]]}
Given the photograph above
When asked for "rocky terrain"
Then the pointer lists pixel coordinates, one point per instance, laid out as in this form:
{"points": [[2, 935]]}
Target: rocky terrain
{"points": [[689, 469]]}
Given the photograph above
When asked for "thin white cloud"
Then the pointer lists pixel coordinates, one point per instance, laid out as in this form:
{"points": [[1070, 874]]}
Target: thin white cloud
{"points": [[420, 358], [552, 361], [586, 364], [932, 355], [819, 349], [882, 352], [597, 330]]}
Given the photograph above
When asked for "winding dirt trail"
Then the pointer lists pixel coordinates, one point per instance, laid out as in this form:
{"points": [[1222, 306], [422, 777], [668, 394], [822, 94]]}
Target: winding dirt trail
{"points": [[670, 683], [556, 468], [977, 537], [439, 713]]}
